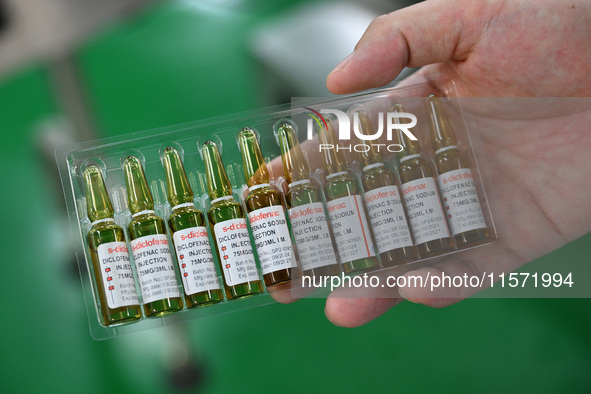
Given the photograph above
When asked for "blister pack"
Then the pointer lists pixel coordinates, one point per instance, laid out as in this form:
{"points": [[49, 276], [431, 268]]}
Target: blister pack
{"points": [[207, 217]]}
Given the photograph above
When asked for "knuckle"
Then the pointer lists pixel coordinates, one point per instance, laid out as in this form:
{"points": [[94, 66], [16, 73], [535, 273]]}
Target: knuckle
{"points": [[375, 27], [379, 22]]}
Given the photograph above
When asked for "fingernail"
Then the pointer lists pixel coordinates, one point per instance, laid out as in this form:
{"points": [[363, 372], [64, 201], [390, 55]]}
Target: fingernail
{"points": [[328, 318], [343, 63], [406, 297]]}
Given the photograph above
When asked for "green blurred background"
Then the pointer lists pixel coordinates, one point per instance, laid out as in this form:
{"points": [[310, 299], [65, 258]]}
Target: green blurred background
{"points": [[175, 62]]}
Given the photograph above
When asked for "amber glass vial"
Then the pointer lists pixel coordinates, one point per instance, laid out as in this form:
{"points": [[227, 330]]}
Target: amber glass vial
{"points": [[306, 211], [230, 232], [266, 214], [189, 236], [345, 207], [456, 183], [114, 279], [383, 202], [421, 197], [149, 243]]}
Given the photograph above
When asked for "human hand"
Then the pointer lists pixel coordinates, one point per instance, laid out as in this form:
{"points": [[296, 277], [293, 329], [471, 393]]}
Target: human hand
{"points": [[491, 48], [537, 150]]}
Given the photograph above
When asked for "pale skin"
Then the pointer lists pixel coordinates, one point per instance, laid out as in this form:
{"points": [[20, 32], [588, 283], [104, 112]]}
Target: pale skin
{"points": [[494, 48]]}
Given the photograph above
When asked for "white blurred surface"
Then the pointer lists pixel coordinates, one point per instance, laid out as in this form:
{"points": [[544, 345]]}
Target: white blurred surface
{"points": [[44, 28], [303, 46]]}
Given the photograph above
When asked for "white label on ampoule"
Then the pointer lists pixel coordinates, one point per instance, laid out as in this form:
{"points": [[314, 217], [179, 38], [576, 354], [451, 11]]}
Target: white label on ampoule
{"points": [[154, 267], [350, 228], [311, 235], [271, 238], [426, 217], [387, 218], [117, 275], [235, 252], [460, 201], [195, 260]]}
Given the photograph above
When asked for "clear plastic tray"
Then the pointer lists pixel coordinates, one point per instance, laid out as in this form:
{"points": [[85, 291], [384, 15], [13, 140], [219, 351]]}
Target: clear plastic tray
{"points": [[188, 137]]}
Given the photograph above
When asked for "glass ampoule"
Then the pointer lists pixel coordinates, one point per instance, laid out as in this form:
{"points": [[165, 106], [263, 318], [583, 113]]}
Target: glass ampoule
{"points": [[421, 198], [306, 212], [382, 200], [115, 283], [266, 214], [189, 236], [345, 207], [456, 183], [149, 244], [230, 233]]}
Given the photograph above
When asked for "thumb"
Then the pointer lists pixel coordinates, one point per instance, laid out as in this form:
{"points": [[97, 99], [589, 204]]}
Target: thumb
{"points": [[434, 31]]}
